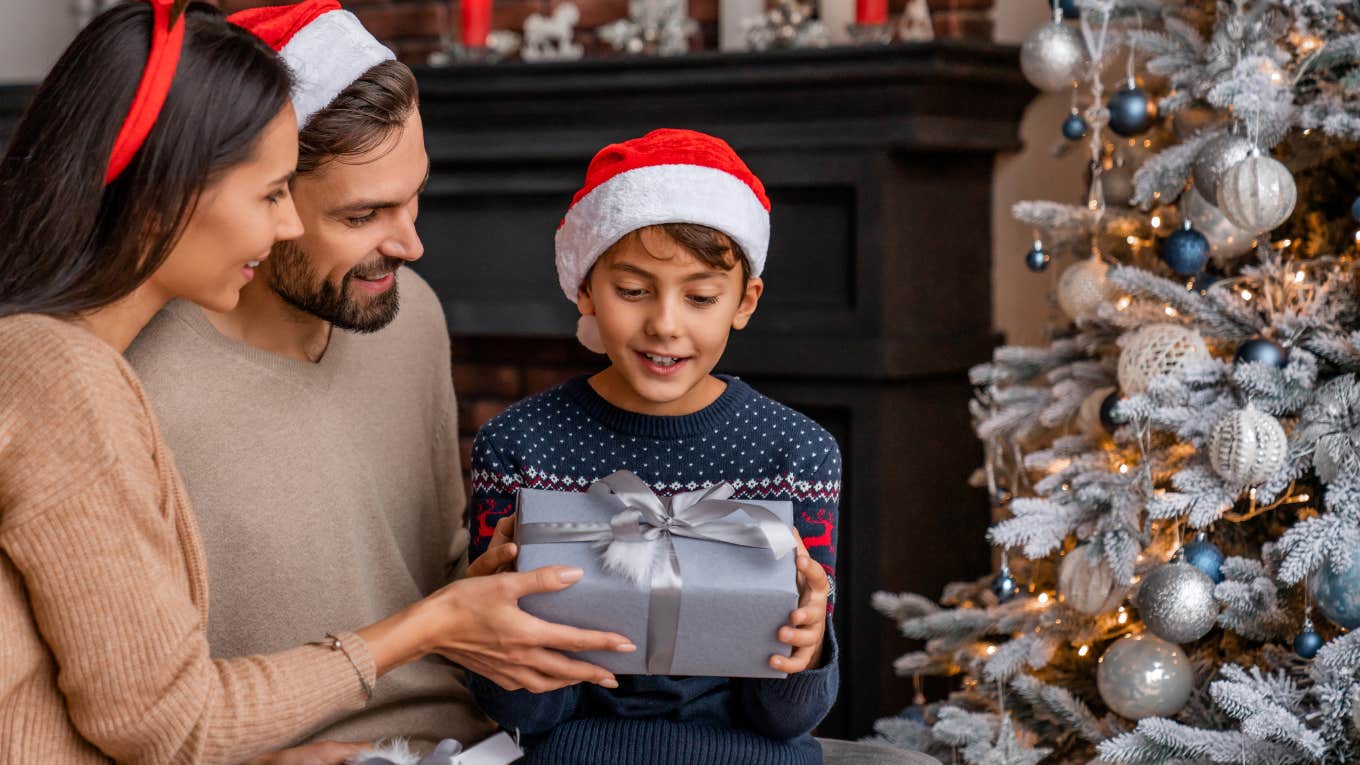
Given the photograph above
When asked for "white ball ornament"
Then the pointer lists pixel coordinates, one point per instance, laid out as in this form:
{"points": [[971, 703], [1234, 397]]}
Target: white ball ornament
{"points": [[1157, 349], [1086, 583], [1145, 676], [1257, 194], [1053, 57], [1247, 447], [1083, 287]]}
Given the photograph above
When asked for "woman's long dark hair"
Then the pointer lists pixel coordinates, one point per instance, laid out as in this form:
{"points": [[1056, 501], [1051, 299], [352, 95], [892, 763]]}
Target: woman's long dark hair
{"points": [[68, 244]]}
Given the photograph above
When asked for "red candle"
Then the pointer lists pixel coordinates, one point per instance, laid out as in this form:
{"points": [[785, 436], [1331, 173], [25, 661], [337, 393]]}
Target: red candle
{"points": [[476, 22], [871, 11]]}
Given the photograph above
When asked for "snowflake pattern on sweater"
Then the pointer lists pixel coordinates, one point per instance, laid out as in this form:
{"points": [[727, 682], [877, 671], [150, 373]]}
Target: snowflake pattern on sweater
{"points": [[568, 437]]}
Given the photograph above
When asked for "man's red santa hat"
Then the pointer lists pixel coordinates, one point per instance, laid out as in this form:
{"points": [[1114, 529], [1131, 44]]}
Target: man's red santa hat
{"points": [[325, 46], [666, 176]]}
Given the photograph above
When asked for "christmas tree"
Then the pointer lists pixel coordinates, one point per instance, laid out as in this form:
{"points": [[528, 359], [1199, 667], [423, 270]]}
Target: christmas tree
{"points": [[1176, 477]]}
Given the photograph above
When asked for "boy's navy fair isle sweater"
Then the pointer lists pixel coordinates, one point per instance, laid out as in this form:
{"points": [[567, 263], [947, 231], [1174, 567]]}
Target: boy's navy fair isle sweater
{"points": [[566, 438]]}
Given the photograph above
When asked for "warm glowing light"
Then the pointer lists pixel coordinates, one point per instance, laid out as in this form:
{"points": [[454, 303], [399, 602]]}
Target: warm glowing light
{"points": [[1083, 650], [1307, 131], [1246, 295], [991, 649], [1123, 616], [1298, 277], [1124, 303], [1156, 221], [1301, 498], [1285, 243], [1043, 598], [1123, 469], [1171, 312], [1131, 239]]}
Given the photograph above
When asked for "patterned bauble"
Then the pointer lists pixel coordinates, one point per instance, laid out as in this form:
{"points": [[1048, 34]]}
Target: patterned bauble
{"points": [[1186, 250], [1205, 556], [1004, 586], [1131, 110], [1084, 287], [1257, 194], [1226, 240], [1216, 157], [1260, 350], [1086, 583], [1337, 593], [1247, 447], [1052, 57], [1089, 419], [1177, 603], [1157, 349], [1308, 642], [1074, 127], [1145, 676], [1036, 259], [1116, 185]]}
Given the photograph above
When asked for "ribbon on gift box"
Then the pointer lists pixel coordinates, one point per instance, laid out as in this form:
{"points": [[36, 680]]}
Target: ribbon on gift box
{"points": [[638, 543], [499, 749]]}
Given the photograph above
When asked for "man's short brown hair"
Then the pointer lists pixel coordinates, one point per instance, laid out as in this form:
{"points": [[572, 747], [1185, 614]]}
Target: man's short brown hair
{"points": [[361, 118]]}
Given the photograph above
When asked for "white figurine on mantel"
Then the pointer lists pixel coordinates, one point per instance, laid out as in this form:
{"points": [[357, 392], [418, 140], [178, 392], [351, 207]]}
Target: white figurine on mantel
{"points": [[552, 38], [915, 24]]}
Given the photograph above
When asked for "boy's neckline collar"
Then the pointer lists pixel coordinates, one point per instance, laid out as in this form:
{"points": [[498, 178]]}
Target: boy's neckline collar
{"points": [[705, 420]]}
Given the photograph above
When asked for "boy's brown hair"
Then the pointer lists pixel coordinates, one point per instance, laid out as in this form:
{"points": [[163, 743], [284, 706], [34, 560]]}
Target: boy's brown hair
{"points": [[708, 245]]}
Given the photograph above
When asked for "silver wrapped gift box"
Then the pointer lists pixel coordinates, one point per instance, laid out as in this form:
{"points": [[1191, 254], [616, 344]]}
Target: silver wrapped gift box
{"points": [[713, 609]]}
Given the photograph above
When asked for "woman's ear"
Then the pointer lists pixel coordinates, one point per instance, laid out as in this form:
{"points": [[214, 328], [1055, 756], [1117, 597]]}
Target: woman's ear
{"points": [[750, 298]]}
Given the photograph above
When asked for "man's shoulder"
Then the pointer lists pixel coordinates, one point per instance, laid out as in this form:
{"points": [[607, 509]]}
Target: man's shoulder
{"points": [[169, 347]]}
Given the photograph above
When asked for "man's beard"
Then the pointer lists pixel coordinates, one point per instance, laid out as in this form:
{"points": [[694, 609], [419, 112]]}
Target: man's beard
{"points": [[291, 277]]}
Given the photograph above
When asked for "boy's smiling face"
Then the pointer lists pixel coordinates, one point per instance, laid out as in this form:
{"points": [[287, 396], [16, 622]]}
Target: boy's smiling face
{"points": [[664, 317]]}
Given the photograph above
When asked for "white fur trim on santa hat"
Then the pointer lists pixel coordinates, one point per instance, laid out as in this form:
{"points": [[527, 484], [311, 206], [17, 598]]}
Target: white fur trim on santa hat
{"points": [[326, 56], [647, 196]]}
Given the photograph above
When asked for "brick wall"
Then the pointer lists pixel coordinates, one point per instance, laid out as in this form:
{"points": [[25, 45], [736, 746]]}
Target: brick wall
{"points": [[413, 28]]}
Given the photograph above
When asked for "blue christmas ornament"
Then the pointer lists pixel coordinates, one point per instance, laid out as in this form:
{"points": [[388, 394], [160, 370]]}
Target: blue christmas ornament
{"points": [[1074, 127], [1131, 111], [1036, 259], [1308, 643], [1338, 593], [1107, 411], [1004, 586], [1186, 251], [1260, 350], [1355, 208], [1201, 282], [1205, 556]]}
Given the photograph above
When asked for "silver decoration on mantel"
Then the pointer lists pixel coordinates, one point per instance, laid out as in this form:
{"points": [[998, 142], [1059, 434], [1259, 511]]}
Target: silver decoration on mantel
{"points": [[500, 45], [915, 24], [1218, 155], [552, 38], [1177, 602], [653, 27], [790, 24]]}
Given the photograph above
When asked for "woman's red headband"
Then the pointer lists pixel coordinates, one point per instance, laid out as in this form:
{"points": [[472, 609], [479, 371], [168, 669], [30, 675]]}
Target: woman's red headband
{"points": [[167, 39]]}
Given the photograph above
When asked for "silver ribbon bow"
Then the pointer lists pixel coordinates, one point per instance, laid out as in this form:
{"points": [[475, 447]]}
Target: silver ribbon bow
{"points": [[638, 543]]}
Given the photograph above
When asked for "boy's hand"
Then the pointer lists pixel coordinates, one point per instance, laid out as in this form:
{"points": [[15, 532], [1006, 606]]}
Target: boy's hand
{"points": [[500, 556], [807, 625]]}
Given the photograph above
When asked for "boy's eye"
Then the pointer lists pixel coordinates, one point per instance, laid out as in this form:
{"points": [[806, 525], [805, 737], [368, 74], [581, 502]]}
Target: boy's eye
{"points": [[361, 220], [704, 300], [628, 293]]}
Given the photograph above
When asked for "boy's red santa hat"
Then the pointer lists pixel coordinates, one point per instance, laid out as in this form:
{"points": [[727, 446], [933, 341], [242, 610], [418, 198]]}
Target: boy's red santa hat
{"points": [[666, 176], [325, 46]]}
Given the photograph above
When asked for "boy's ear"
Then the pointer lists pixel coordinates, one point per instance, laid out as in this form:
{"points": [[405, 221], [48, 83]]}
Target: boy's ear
{"points": [[583, 301], [749, 300]]}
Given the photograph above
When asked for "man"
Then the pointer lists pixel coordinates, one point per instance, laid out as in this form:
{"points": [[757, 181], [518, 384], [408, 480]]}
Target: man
{"points": [[315, 424]]}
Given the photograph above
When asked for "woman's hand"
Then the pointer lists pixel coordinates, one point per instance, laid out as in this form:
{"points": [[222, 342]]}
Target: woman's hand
{"points": [[500, 556], [477, 623], [806, 629], [320, 753]]}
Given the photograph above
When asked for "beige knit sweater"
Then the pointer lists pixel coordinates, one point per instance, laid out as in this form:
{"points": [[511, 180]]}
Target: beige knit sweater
{"points": [[103, 590]]}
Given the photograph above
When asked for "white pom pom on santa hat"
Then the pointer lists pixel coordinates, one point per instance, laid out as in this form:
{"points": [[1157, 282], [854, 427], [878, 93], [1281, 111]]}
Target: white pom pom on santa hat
{"points": [[325, 47], [666, 176]]}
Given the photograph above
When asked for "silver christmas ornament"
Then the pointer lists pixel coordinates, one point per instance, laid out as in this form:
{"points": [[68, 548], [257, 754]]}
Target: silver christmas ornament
{"points": [[1177, 602], [1247, 447], [1052, 57], [1226, 239], [1086, 583], [1145, 676], [1083, 287], [1257, 194], [1157, 349], [1215, 158]]}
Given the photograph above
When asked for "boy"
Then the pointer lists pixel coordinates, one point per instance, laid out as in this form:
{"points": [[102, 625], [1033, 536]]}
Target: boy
{"points": [[662, 251]]}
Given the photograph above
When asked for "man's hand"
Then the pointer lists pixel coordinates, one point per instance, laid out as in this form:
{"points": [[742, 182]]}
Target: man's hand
{"points": [[320, 753], [807, 624], [500, 556]]}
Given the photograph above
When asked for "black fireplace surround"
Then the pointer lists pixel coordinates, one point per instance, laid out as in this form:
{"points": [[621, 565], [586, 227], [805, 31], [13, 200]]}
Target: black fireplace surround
{"points": [[878, 161]]}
